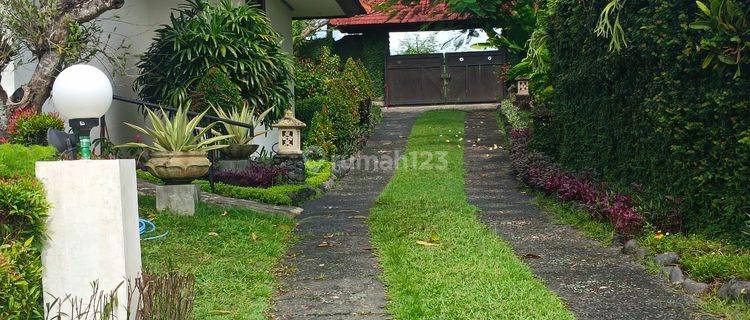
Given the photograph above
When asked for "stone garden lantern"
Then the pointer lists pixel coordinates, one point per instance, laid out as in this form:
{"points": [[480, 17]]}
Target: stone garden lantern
{"points": [[289, 156], [523, 86], [289, 136]]}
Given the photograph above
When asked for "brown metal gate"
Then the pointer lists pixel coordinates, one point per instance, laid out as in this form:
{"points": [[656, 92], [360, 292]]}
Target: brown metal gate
{"points": [[468, 77]]}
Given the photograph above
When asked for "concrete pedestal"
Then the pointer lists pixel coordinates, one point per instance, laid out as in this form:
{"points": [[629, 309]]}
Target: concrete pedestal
{"points": [[92, 228], [232, 165], [294, 165], [181, 199]]}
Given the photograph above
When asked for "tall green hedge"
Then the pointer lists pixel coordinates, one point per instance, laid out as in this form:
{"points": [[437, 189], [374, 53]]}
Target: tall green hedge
{"points": [[650, 115], [372, 48]]}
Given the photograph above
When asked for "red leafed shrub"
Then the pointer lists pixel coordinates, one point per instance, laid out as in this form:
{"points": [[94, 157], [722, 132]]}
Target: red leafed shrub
{"points": [[541, 172], [15, 116], [256, 175]]}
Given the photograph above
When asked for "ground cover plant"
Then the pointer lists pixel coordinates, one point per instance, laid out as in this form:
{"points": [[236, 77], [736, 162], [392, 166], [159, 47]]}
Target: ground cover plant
{"points": [[231, 252], [439, 260]]}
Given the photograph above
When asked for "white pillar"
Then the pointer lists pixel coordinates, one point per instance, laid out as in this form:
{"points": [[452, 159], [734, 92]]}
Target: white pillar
{"points": [[92, 228]]}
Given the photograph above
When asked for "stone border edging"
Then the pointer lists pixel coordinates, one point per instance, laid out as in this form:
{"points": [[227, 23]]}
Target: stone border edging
{"points": [[148, 188], [670, 270]]}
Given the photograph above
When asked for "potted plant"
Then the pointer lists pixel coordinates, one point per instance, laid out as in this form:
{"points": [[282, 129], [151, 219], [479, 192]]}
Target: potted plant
{"points": [[239, 144], [179, 149]]}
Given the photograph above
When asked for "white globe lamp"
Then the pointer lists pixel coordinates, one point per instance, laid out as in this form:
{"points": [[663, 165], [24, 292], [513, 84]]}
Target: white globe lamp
{"points": [[82, 94]]}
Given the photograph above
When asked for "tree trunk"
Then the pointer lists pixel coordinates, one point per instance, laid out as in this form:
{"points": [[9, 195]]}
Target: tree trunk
{"points": [[39, 87]]}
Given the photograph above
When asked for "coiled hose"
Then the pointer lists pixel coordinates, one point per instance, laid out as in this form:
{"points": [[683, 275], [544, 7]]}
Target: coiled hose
{"points": [[146, 226]]}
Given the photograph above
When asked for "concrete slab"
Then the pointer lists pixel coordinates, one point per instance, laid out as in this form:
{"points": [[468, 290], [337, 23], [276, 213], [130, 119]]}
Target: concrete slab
{"points": [[181, 199]]}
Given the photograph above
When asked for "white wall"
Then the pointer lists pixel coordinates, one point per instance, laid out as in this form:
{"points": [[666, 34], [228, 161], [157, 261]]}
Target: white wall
{"points": [[135, 23], [8, 80]]}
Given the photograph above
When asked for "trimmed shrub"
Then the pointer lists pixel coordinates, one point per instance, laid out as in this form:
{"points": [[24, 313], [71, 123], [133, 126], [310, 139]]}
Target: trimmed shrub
{"points": [[27, 127], [317, 173], [23, 210], [344, 114], [650, 114], [19, 161], [345, 93], [306, 109], [312, 77], [322, 133]]}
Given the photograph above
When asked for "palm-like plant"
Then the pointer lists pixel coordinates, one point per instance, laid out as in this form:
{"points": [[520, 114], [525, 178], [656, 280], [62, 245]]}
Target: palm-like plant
{"points": [[178, 134], [242, 135]]}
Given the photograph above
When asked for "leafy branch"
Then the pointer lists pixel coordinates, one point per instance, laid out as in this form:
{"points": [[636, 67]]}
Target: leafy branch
{"points": [[612, 29], [729, 36]]}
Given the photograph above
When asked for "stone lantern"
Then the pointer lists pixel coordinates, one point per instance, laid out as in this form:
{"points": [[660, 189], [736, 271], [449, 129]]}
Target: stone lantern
{"points": [[289, 156], [523, 86], [289, 136]]}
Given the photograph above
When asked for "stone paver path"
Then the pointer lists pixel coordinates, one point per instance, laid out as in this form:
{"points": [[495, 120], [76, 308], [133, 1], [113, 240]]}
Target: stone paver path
{"points": [[596, 282], [333, 271]]}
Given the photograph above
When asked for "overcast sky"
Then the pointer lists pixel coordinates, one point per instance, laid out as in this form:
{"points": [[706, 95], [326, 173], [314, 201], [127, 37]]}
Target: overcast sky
{"points": [[442, 37], [444, 40]]}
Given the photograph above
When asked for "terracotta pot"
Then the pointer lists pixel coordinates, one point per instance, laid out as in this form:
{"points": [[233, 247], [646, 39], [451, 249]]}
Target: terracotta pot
{"points": [[178, 166], [239, 151]]}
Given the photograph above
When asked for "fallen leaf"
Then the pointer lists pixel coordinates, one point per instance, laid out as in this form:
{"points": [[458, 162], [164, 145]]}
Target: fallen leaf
{"points": [[254, 236], [225, 213], [427, 244], [325, 244], [213, 234]]}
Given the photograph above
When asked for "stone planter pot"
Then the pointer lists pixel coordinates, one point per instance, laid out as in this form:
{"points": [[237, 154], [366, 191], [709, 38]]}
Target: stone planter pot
{"points": [[178, 167], [239, 151]]}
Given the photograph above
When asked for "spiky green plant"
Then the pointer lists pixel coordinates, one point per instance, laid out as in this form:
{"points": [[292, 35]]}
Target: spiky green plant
{"points": [[242, 135], [177, 134]]}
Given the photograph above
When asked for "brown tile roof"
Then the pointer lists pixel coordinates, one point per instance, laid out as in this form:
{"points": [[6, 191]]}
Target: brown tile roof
{"points": [[401, 14]]}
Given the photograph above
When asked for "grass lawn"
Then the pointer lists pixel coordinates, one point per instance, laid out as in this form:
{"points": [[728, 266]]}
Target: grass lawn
{"points": [[232, 253], [439, 260]]}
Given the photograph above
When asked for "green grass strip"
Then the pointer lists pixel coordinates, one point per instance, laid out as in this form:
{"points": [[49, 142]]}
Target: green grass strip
{"points": [[231, 252], [439, 260]]}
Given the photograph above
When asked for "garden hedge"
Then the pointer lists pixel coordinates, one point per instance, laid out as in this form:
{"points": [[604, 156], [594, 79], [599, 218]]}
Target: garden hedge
{"points": [[650, 118], [373, 49], [23, 209]]}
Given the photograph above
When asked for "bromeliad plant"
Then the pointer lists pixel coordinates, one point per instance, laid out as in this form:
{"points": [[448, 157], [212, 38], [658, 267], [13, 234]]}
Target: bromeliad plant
{"points": [[242, 135], [177, 134]]}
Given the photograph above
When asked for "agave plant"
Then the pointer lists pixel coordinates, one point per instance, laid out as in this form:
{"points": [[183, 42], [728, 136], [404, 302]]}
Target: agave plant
{"points": [[242, 135], [178, 134]]}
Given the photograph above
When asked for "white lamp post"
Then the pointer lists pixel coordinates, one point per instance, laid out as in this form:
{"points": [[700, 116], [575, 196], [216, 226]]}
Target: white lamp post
{"points": [[101, 195], [82, 94]]}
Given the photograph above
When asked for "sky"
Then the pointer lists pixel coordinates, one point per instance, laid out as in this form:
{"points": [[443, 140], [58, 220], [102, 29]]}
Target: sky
{"points": [[444, 40], [442, 37]]}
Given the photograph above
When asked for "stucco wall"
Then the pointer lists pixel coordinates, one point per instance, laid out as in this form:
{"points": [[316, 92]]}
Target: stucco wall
{"points": [[135, 24]]}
